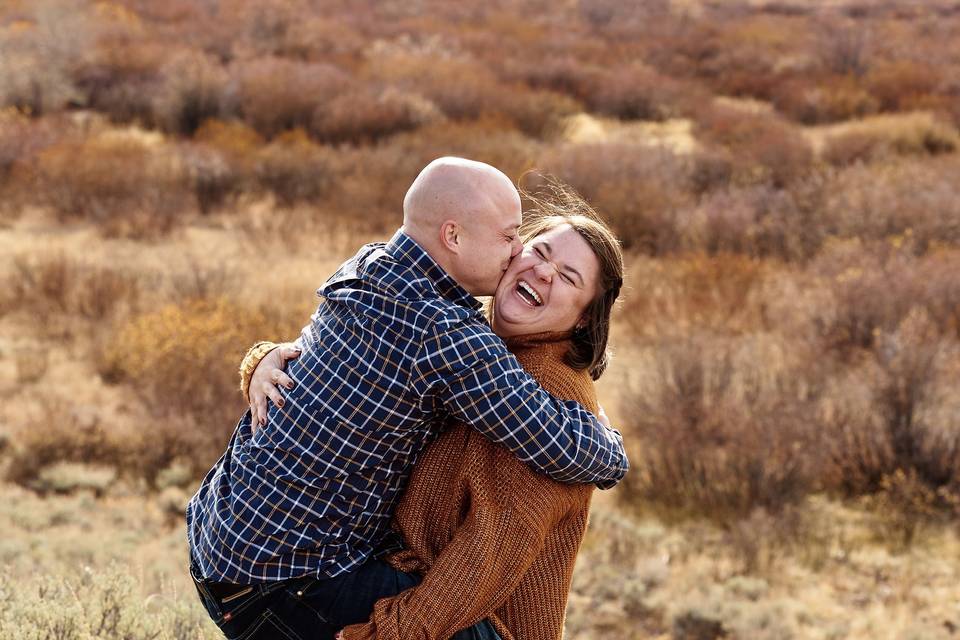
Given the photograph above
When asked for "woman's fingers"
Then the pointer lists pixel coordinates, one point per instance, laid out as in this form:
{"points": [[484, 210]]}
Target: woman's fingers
{"points": [[259, 401], [288, 352], [254, 418], [275, 396]]}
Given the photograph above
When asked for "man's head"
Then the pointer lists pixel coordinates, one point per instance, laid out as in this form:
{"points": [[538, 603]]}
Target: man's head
{"points": [[465, 214]]}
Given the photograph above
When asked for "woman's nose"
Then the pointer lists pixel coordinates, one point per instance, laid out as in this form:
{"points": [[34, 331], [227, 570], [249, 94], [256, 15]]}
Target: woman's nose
{"points": [[545, 270]]}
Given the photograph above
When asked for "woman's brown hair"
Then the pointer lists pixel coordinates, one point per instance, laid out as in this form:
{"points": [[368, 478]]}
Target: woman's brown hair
{"points": [[555, 205]]}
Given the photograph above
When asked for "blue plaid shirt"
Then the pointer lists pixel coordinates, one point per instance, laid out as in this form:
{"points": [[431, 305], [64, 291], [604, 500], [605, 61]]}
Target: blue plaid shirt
{"points": [[395, 349]]}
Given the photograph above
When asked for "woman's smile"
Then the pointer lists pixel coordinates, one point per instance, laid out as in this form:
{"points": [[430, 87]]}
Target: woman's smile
{"points": [[548, 286]]}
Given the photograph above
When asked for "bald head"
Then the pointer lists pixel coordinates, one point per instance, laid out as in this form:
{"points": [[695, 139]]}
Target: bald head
{"points": [[453, 208], [454, 188]]}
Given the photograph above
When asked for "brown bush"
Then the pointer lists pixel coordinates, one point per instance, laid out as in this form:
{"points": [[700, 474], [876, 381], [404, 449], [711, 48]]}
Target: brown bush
{"points": [[365, 115], [896, 420], [61, 433], [640, 93], [902, 84], [874, 287], [679, 295], [918, 133], [536, 113], [182, 361], [822, 100], [213, 180], [41, 44], [910, 202], [723, 426], [46, 282], [127, 183], [765, 148], [276, 94], [462, 89], [237, 142], [636, 188], [122, 77], [194, 89], [565, 75], [756, 221], [294, 169]]}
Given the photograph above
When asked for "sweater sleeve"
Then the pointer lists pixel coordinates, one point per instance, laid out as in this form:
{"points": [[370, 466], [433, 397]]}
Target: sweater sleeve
{"points": [[499, 533], [249, 364]]}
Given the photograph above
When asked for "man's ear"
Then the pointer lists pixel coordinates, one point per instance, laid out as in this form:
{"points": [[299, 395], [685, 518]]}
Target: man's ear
{"points": [[450, 236]]}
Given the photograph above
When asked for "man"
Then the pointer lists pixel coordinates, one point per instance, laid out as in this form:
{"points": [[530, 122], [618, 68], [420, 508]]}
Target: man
{"points": [[397, 346]]}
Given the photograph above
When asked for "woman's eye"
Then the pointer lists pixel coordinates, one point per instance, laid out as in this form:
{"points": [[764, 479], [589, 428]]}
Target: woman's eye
{"points": [[539, 252], [566, 278]]}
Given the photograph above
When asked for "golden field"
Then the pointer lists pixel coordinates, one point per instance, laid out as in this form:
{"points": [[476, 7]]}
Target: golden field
{"points": [[177, 178]]}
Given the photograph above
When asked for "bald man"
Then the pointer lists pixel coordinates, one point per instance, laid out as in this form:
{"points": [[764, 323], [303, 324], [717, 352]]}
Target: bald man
{"points": [[397, 346]]}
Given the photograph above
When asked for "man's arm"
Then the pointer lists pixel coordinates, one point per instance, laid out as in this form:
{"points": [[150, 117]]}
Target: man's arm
{"points": [[475, 378]]}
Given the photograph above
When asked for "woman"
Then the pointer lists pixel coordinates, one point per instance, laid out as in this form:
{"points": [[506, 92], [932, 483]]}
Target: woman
{"points": [[495, 541]]}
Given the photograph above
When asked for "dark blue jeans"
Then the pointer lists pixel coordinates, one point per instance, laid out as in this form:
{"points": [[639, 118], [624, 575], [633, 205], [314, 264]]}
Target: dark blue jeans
{"points": [[310, 609]]}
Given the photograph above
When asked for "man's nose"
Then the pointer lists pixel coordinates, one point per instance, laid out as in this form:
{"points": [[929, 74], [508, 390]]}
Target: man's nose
{"points": [[516, 248]]}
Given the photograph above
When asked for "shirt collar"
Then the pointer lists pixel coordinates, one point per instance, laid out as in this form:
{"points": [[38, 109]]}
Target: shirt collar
{"points": [[406, 251]]}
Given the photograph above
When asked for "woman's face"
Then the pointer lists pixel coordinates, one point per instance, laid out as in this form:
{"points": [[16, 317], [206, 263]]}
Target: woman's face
{"points": [[548, 286]]}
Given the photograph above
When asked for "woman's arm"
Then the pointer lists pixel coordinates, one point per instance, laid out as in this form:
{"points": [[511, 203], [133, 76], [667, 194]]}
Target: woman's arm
{"points": [[501, 533]]}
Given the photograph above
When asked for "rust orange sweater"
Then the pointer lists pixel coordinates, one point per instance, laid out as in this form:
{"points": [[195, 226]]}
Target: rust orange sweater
{"points": [[493, 538]]}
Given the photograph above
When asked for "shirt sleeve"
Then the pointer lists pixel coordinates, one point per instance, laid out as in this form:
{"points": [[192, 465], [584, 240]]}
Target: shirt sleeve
{"points": [[471, 375]]}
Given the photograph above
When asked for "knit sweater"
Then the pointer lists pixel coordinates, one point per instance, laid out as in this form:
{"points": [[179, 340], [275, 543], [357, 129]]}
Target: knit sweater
{"points": [[493, 538]]}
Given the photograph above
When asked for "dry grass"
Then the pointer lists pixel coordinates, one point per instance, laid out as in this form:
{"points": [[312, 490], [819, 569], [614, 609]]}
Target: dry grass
{"points": [[784, 179]]}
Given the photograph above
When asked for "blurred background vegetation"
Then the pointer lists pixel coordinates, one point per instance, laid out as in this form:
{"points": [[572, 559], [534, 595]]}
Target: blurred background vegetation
{"points": [[178, 177]]}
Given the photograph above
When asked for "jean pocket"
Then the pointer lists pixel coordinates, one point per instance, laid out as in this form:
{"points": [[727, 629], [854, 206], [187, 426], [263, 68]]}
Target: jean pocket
{"points": [[206, 598]]}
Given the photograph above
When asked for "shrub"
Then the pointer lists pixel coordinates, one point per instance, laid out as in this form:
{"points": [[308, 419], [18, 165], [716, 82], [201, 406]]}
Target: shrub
{"points": [[123, 77], [889, 416], [694, 292], [182, 361], [39, 54], [294, 169], [46, 283], [908, 202], [61, 433], [126, 182], [194, 89], [723, 427], [636, 188], [565, 75], [69, 477], [916, 133], [364, 115], [213, 179], [756, 221], [822, 100], [640, 93], [900, 85], [99, 604], [236, 142], [536, 113], [276, 94], [765, 148]]}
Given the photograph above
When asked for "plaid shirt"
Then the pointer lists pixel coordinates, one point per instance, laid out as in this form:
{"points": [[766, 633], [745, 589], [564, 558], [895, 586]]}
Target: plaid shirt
{"points": [[395, 349]]}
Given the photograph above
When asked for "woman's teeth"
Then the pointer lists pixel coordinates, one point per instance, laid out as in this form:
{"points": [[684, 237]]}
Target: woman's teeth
{"points": [[524, 288]]}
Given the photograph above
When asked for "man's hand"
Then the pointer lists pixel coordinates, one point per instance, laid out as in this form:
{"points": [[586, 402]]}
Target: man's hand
{"points": [[264, 382]]}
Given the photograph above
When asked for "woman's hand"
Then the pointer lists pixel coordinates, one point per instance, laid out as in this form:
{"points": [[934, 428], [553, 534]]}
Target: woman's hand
{"points": [[264, 382]]}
